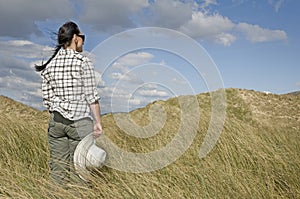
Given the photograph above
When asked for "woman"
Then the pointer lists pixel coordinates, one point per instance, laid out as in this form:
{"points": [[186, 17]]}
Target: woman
{"points": [[70, 94]]}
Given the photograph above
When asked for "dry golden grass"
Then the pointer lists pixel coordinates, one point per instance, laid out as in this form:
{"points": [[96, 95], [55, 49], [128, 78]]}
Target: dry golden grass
{"points": [[256, 156]]}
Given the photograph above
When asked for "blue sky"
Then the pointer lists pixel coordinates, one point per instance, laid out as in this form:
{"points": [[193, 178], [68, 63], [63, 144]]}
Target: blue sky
{"points": [[253, 44]]}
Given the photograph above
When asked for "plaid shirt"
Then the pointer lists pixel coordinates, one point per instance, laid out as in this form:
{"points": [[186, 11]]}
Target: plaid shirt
{"points": [[69, 85]]}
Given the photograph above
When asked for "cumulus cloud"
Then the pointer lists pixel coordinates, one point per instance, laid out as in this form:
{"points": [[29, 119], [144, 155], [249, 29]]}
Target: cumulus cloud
{"points": [[203, 25], [190, 17], [25, 91], [18, 18], [24, 49], [124, 63], [153, 93], [225, 39], [134, 102], [107, 14], [122, 71], [116, 99], [135, 59], [18, 56], [207, 3], [22, 20], [126, 78], [121, 99], [17, 75], [125, 87], [18, 84], [255, 33], [168, 13]]}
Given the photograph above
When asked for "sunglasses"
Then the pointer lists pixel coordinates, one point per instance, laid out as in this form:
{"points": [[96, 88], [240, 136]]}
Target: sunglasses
{"points": [[82, 37]]}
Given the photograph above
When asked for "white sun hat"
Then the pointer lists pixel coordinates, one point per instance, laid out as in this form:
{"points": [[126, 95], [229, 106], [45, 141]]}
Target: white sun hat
{"points": [[88, 155]]}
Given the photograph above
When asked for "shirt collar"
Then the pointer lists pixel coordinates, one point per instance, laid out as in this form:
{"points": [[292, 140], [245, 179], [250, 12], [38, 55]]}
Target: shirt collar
{"points": [[68, 51]]}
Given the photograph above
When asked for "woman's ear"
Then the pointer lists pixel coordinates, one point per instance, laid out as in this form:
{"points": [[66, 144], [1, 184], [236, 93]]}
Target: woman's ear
{"points": [[74, 38]]}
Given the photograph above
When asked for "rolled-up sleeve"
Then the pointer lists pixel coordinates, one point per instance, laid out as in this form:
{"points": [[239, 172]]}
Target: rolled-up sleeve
{"points": [[89, 82]]}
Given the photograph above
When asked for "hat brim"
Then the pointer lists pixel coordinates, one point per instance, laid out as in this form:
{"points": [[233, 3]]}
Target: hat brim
{"points": [[80, 155]]}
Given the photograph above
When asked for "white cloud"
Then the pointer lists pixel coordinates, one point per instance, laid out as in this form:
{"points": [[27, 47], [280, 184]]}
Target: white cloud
{"points": [[119, 93], [20, 43], [106, 14], [134, 59], [124, 63], [225, 39], [123, 69], [124, 97], [276, 4], [191, 17], [119, 67], [19, 56], [150, 86], [255, 33], [125, 78], [135, 102], [24, 49], [207, 3], [168, 13], [18, 17], [118, 76], [118, 100], [18, 83], [17, 76], [153, 93], [23, 90], [202, 25], [194, 19]]}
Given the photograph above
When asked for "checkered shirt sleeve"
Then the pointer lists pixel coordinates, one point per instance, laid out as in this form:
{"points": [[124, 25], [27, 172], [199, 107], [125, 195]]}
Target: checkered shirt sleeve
{"points": [[69, 85], [89, 82], [47, 93]]}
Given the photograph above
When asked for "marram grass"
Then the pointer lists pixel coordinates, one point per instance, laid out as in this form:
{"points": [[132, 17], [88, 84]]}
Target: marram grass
{"points": [[256, 156]]}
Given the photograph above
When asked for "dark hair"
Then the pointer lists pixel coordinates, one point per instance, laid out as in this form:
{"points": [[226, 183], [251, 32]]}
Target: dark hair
{"points": [[64, 38]]}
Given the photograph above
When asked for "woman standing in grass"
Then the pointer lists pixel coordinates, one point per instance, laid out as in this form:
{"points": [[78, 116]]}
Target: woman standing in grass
{"points": [[70, 94]]}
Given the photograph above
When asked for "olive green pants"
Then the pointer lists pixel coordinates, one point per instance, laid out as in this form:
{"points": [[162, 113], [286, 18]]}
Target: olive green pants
{"points": [[63, 137]]}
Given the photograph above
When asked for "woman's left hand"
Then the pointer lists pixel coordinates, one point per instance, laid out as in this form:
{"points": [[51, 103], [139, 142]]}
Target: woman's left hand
{"points": [[97, 130]]}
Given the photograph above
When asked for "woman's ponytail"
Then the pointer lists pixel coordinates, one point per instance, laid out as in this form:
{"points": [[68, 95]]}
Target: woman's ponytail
{"points": [[39, 68]]}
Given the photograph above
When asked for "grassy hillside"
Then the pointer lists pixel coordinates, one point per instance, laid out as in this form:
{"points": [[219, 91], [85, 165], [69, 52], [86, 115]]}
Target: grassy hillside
{"points": [[256, 156]]}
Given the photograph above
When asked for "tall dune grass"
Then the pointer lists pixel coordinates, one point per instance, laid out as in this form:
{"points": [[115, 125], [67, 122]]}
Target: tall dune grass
{"points": [[257, 154]]}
